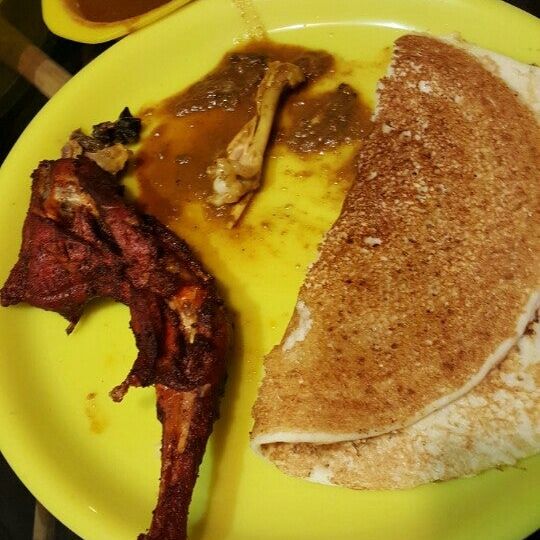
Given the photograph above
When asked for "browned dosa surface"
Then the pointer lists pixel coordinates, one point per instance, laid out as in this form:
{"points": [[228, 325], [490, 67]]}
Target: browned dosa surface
{"points": [[430, 274], [496, 423]]}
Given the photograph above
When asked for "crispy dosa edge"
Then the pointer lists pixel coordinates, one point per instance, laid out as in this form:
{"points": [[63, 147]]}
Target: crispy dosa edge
{"points": [[274, 426]]}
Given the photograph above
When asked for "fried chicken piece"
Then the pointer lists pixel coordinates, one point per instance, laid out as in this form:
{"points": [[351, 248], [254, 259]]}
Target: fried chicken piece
{"points": [[106, 145], [187, 419], [82, 240]]}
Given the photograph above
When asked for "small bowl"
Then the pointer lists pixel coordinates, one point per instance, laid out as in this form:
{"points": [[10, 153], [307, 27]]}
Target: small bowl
{"points": [[67, 23]]}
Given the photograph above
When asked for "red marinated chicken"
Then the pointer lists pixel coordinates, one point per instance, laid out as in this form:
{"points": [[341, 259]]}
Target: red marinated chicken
{"points": [[82, 240]]}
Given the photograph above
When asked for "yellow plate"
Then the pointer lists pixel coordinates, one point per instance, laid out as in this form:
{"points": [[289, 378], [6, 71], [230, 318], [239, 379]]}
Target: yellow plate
{"points": [[95, 464], [65, 23]]}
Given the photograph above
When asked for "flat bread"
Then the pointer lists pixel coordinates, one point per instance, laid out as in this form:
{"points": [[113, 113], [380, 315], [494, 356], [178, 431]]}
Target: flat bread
{"points": [[495, 424], [426, 281]]}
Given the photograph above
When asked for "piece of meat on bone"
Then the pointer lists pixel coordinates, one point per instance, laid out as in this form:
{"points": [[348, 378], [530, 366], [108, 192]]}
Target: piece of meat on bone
{"points": [[239, 172], [106, 144], [82, 240]]}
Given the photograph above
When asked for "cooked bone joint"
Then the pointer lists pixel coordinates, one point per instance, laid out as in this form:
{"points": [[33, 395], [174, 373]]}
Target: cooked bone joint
{"points": [[240, 171]]}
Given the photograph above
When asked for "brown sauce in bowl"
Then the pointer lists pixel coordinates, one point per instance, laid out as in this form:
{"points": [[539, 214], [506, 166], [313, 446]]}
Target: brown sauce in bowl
{"points": [[103, 11]]}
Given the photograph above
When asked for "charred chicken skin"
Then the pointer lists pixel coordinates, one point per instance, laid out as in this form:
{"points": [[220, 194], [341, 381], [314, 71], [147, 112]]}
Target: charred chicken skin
{"points": [[82, 240]]}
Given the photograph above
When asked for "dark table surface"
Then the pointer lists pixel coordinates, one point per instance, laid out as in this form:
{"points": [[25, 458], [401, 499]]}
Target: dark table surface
{"points": [[17, 505]]}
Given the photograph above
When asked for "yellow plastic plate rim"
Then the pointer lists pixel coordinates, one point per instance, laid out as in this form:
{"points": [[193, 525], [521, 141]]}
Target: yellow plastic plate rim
{"points": [[95, 464]]}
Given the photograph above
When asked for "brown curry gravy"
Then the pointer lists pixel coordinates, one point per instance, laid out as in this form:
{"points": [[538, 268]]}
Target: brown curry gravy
{"points": [[315, 124], [194, 127], [102, 11]]}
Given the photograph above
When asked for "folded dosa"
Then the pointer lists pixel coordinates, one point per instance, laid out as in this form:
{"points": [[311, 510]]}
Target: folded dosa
{"points": [[427, 279], [496, 423]]}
